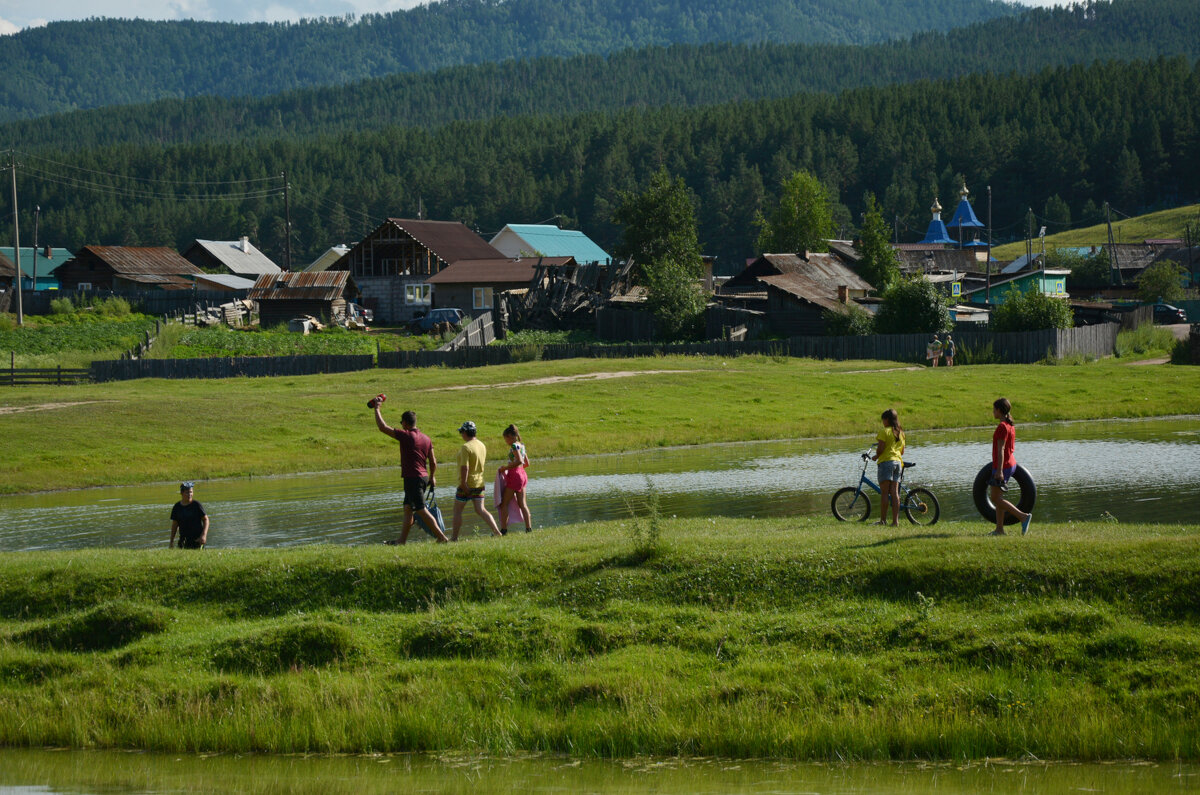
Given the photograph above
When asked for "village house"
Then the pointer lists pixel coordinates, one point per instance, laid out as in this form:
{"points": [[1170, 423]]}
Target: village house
{"points": [[126, 268], [37, 265], [391, 265], [237, 257], [795, 290], [534, 240], [1051, 282], [283, 296], [328, 258], [471, 284]]}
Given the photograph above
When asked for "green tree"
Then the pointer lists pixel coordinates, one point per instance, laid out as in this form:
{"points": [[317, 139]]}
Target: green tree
{"points": [[660, 235], [879, 264], [802, 220], [676, 300], [660, 226], [1088, 271], [852, 321], [1162, 281], [913, 305], [1031, 310], [1057, 214]]}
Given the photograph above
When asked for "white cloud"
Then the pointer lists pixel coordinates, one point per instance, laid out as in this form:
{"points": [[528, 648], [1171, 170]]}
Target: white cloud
{"points": [[7, 28], [13, 13]]}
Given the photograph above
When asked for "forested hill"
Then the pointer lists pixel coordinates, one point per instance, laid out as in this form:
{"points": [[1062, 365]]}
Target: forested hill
{"points": [[69, 65], [678, 75], [1128, 133]]}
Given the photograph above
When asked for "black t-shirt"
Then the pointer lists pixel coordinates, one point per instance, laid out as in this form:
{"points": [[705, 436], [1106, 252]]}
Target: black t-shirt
{"points": [[190, 518]]}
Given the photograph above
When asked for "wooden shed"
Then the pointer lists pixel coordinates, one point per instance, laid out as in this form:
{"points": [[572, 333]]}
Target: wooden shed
{"points": [[283, 296], [126, 268]]}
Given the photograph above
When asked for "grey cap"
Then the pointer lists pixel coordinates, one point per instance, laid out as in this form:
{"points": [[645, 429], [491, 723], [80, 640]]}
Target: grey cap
{"points": [[187, 485], [467, 426]]}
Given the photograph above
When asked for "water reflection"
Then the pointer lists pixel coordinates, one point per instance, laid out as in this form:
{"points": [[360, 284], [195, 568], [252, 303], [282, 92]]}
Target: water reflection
{"points": [[1143, 471], [85, 773]]}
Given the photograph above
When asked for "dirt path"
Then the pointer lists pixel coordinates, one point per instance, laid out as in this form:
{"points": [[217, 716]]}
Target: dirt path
{"points": [[46, 406], [1161, 360], [560, 379]]}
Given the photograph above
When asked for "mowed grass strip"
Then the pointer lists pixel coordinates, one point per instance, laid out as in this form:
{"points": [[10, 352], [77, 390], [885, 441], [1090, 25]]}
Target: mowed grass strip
{"points": [[153, 430], [764, 638]]}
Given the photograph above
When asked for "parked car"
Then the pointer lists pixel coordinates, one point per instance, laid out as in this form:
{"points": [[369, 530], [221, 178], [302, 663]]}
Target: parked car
{"points": [[423, 325], [1166, 315]]}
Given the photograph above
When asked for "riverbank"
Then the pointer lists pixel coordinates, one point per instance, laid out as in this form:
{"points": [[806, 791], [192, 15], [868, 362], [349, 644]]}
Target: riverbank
{"points": [[155, 431], [781, 638]]}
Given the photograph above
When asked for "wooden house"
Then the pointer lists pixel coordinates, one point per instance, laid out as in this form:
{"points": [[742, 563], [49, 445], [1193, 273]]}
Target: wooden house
{"points": [[545, 240], [471, 284], [392, 264], [126, 268], [286, 295], [795, 290], [236, 257]]}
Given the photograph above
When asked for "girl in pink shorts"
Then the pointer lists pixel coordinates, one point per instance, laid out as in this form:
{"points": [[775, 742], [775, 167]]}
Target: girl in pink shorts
{"points": [[515, 478]]}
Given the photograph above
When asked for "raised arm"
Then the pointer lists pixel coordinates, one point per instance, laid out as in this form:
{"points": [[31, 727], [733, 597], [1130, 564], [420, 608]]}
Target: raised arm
{"points": [[383, 426]]}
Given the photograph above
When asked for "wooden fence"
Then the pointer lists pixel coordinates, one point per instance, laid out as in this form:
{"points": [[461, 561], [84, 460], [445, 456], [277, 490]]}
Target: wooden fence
{"points": [[249, 366], [28, 376], [477, 333]]}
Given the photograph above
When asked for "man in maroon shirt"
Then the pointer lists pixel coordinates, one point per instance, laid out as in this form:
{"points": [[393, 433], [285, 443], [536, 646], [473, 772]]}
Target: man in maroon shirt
{"points": [[417, 468]]}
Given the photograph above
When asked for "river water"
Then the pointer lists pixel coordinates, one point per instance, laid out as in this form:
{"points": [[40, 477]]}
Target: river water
{"points": [[93, 773], [1124, 470]]}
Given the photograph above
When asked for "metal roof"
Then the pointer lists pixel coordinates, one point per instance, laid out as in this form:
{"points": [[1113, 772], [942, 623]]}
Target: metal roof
{"points": [[550, 241], [330, 256], [239, 256], [964, 216], [449, 241], [805, 288], [300, 286], [229, 280], [128, 259], [44, 264], [825, 269], [503, 270]]}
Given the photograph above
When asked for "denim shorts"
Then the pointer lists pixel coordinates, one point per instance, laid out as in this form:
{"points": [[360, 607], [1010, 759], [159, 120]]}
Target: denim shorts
{"points": [[889, 470]]}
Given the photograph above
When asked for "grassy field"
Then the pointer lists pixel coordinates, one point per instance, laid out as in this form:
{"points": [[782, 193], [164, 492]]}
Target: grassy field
{"points": [[155, 431], [1163, 224], [786, 638]]}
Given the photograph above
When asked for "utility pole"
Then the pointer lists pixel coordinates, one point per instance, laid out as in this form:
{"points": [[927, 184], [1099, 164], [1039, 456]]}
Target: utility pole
{"points": [[16, 239], [896, 229], [287, 224], [987, 265], [37, 213], [1114, 269]]}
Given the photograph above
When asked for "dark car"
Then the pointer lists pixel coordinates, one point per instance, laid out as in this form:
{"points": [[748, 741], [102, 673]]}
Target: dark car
{"points": [[1167, 315], [424, 324]]}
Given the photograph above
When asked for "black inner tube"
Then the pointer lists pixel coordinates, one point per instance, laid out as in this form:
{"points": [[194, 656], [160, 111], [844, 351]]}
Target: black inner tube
{"points": [[983, 500]]}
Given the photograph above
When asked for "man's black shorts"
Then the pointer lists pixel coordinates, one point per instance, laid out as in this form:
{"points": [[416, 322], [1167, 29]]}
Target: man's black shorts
{"points": [[414, 493]]}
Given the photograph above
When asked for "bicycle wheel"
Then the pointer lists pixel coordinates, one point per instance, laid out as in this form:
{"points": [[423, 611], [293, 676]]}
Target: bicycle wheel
{"points": [[921, 507], [850, 505]]}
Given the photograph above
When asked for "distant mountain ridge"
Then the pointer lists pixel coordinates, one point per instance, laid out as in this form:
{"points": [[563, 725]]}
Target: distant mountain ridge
{"points": [[71, 65], [680, 75]]}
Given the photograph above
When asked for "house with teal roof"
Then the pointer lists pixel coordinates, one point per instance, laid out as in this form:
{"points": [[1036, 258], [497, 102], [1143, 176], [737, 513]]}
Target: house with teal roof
{"points": [[544, 240], [39, 262], [1051, 282]]}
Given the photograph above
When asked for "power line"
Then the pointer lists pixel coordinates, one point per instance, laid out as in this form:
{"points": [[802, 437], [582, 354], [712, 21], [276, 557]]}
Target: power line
{"points": [[147, 179]]}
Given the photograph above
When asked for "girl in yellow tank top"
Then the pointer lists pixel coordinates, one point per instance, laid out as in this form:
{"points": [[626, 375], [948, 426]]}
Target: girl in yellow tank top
{"points": [[889, 452]]}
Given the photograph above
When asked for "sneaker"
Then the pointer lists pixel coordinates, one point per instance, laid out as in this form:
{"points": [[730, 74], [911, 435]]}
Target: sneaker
{"points": [[392, 542], [1025, 524], [503, 531]]}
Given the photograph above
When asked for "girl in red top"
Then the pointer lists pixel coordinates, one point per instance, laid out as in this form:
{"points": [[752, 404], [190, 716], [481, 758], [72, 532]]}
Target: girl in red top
{"points": [[1004, 463]]}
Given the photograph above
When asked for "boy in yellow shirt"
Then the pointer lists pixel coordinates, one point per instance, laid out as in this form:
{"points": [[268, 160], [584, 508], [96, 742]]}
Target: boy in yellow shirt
{"points": [[471, 458]]}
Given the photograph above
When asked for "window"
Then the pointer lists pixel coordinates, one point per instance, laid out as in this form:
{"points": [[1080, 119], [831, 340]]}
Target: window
{"points": [[483, 297], [416, 293], [84, 286]]}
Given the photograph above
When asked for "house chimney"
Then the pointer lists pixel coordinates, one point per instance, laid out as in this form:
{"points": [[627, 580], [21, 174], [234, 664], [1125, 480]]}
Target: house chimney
{"points": [[803, 254], [245, 244], [49, 252], [843, 293]]}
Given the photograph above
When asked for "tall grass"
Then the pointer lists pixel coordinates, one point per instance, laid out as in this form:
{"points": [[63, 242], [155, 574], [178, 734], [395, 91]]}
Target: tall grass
{"points": [[761, 638], [1146, 340]]}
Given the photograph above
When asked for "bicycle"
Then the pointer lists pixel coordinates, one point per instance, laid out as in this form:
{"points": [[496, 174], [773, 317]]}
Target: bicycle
{"points": [[853, 503]]}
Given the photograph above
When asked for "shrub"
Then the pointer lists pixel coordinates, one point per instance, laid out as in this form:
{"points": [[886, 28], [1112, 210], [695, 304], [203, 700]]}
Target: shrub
{"points": [[106, 626], [1162, 281], [1031, 310], [980, 354], [62, 306], [1146, 338], [1181, 353], [913, 305], [309, 644], [853, 322]]}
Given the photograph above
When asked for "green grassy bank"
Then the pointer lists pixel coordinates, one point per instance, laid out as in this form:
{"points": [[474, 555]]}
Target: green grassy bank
{"points": [[790, 638], [152, 430]]}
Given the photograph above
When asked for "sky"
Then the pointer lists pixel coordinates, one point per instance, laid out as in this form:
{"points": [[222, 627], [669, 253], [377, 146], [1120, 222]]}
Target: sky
{"points": [[15, 14]]}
